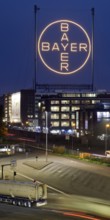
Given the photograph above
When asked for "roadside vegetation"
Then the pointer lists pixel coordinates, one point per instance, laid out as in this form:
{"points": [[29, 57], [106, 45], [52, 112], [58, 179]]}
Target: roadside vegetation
{"points": [[61, 151]]}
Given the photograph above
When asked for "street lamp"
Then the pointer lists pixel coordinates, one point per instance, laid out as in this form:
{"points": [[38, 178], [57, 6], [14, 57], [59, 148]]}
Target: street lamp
{"points": [[46, 131], [106, 137], [47, 111], [73, 126]]}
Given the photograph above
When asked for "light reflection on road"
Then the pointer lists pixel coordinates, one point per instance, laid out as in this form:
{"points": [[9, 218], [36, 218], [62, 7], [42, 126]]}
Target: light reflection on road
{"points": [[79, 204]]}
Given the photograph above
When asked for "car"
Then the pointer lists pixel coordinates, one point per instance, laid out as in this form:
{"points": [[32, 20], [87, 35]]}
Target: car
{"points": [[107, 153], [19, 148]]}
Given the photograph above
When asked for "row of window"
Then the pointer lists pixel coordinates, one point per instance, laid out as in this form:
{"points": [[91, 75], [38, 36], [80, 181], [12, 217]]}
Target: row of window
{"points": [[62, 116], [64, 124], [79, 95], [57, 102], [63, 108], [58, 116]]}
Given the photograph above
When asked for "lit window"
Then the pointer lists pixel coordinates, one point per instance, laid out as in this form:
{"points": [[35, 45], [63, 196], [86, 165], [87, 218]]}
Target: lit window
{"points": [[95, 101], [75, 101], [71, 95], [85, 101], [65, 102], [54, 116], [88, 95], [55, 102], [73, 116], [54, 108], [75, 108], [54, 123], [103, 114], [64, 124], [86, 124], [65, 108], [64, 116]]}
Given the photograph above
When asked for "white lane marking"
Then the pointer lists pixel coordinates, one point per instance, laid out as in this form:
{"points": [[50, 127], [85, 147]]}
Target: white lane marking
{"points": [[27, 177]]}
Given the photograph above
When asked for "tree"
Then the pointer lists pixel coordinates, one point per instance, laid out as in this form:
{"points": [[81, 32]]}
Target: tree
{"points": [[2, 125]]}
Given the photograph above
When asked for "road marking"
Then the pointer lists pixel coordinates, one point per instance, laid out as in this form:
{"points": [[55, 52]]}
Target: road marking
{"points": [[27, 177]]}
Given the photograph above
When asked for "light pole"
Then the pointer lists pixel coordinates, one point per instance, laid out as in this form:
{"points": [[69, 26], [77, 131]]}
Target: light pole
{"points": [[106, 137], [73, 126], [47, 111], [46, 130]]}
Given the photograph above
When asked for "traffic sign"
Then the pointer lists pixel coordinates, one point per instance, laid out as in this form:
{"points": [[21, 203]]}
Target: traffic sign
{"points": [[13, 163]]}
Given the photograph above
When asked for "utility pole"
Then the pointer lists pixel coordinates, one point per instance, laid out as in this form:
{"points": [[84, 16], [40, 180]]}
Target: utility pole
{"points": [[106, 136], [92, 11], [35, 45]]}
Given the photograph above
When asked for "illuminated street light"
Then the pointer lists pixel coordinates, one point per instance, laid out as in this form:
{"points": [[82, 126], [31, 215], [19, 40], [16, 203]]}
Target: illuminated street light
{"points": [[106, 137]]}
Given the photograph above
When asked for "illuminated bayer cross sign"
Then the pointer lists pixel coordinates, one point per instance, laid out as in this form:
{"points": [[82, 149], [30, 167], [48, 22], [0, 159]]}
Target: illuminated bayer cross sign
{"points": [[64, 47]]}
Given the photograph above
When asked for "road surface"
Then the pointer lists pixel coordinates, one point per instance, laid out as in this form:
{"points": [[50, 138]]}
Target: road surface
{"points": [[73, 185]]}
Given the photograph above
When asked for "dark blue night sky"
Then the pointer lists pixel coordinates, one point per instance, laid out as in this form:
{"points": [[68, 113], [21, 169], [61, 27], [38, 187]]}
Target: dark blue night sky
{"points": [[17, 41]]}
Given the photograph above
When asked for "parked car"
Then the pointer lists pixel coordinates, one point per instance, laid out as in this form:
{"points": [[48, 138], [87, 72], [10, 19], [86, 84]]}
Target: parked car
{"points": [[19, 148], [107, 153]]}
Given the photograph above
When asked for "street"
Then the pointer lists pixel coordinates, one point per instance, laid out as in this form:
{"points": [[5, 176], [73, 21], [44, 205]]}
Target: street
{"points": [[72, 185]]}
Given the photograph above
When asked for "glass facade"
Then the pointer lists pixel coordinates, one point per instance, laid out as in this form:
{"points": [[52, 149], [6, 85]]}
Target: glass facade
{"points": [[66, 109]]}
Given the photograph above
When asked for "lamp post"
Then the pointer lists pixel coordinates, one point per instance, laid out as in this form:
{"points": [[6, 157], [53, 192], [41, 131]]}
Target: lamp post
{"points": [[106, 137], [47, 111], [73, 126], [46, 130]]}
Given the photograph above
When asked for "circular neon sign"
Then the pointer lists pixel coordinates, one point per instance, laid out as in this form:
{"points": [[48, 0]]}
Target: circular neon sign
{"points": [[64, 47]]}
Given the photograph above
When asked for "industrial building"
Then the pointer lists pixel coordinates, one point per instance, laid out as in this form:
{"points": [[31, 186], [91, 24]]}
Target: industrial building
{"points": [[67, 109], [18, 107], [70, 109]]}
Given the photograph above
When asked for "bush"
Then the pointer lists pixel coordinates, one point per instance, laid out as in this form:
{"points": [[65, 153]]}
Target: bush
{"points": [[59, 150], [84, 155]]}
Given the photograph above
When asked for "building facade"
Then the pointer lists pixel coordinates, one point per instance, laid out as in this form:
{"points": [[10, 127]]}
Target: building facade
{"points": [[71, 111], [18, 107], [60, 109]]}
